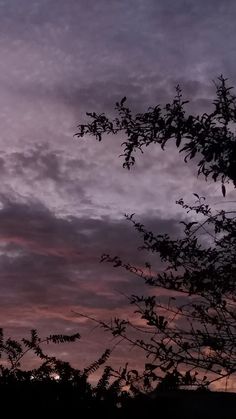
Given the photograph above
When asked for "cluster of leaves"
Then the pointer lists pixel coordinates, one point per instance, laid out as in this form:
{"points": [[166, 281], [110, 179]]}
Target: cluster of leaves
{"points": [[208, 136]]}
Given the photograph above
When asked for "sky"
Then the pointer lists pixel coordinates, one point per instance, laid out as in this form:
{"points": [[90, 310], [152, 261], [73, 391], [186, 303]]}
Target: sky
{"points": [[62, 201]]}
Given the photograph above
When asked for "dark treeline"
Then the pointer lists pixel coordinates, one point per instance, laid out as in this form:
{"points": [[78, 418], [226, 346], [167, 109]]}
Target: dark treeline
{"points": [[57, 398], [55, 388]]}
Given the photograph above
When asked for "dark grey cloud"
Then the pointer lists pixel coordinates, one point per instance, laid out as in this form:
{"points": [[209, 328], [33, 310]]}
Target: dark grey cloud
{"points": [[101, 51], [55, 261]]}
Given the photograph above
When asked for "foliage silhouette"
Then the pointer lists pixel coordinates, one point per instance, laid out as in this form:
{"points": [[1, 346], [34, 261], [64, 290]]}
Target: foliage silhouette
{"points": [[13, 352], [190, 343], [56, 383], [208, 136]]}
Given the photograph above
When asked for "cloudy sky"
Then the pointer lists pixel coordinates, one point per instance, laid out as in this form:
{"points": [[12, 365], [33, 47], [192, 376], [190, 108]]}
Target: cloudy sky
{"points": [[62, 201]]}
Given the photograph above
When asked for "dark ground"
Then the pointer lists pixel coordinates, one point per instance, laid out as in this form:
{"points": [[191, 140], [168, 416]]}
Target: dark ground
{"points": [[62, 400]]}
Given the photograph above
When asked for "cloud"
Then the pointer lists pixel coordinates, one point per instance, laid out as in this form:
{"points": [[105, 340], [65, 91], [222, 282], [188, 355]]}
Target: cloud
{"points": [[49, 266], [46, 259]]}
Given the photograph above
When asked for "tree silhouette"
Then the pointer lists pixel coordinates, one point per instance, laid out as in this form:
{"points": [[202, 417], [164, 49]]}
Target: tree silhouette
{"points": [[190, 343], [13, 352], [208, 136], [55, 382]]}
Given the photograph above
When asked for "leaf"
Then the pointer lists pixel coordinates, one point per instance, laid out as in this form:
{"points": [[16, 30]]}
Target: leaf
{"points": [[150, 367], [223, 190], [178, 140], [63, 338], [123, 100], [95, 365]]}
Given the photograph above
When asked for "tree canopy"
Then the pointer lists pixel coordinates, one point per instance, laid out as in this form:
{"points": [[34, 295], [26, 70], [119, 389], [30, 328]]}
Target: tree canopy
{"points": [[192, 342]]}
